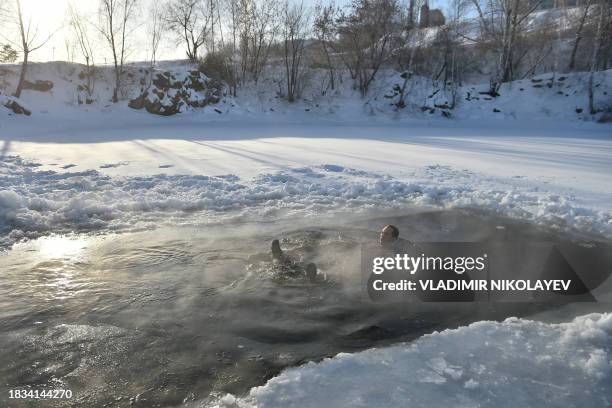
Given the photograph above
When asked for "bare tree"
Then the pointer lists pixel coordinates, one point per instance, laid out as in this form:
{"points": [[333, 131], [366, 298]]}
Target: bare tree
{"points": [[579, 33], [233, 22], [70, 49], [324, 31], [411, 42], [115, 24], [81, 33], [366, 33], [502, 23], [7, 52], [28, 41], [295, 29], [603, 20], [154, 28], [4, 11], [189, 20], [258, 29]]}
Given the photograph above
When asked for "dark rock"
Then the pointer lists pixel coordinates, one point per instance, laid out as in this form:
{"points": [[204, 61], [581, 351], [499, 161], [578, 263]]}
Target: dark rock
{"points": [[138, 103], [578, 110], [40, 86], [195, 83], [17, 108], [195, 90], [491, 93], [157, 108], [162, 81], [496, 110], [404, 75]]}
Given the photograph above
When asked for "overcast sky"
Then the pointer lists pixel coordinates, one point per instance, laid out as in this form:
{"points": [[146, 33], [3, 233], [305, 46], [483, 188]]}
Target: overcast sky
{"points": [[50, 18]]}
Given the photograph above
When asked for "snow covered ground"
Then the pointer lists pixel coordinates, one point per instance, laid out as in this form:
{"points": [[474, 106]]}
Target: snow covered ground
{"points": [[514, 363]]}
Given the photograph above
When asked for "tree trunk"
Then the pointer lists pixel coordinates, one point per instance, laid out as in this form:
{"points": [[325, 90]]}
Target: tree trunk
{"points": [[572, 62], [329, 64], [22, 75], [595, 56], [26, 51], [117, 85]]}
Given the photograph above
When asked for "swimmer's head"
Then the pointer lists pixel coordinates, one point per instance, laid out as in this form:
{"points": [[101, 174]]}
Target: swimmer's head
{"points": [[388, 235], [277, 252]]}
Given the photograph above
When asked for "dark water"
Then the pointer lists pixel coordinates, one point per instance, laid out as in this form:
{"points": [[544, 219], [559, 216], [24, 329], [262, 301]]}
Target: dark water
{"points": [[165, 317]]}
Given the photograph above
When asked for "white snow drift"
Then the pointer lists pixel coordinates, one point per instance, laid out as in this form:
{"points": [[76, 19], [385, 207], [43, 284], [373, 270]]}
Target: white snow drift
{"points": [[35, 202]]}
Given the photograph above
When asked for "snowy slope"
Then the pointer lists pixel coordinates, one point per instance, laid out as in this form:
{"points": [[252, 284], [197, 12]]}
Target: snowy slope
{"points": [[547, 97], [515, 363]]}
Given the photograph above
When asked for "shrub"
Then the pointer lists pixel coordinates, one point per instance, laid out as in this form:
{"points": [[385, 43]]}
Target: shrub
{"points": [[217, 65]]}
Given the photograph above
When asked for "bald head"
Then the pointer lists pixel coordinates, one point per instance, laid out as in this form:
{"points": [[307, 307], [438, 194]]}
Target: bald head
{"points": [[389, 234]]}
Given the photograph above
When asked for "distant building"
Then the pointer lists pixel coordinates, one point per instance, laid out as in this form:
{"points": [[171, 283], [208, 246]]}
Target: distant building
{"points": [[430, 18]]}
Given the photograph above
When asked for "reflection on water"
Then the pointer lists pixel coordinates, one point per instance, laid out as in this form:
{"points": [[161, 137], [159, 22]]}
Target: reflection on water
{"points": [[170, 316], [59, 247]]}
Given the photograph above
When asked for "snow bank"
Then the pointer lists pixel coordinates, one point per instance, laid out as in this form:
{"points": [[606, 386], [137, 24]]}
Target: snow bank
{"points": [[515, 363], [34, 202], [558, 97]]}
